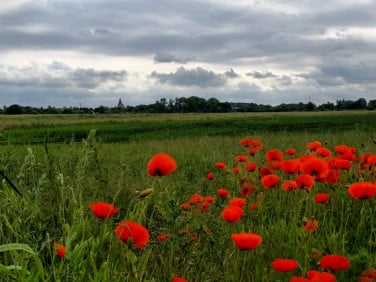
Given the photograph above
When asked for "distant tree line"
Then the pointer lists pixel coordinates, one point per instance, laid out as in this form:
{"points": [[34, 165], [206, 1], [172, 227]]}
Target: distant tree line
{"points": [[195, 104]]}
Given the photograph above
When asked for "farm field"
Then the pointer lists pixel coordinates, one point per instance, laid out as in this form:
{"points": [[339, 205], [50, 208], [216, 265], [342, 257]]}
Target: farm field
{"points": [[235, 204]]}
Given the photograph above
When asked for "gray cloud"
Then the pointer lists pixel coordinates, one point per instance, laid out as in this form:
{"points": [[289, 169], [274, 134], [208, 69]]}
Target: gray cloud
{"points": [[231, 74], [57, 75], [90, 78], [260, 75], [335, 73], [313, 40], [162, 57], [198, 29], [194, 77]]}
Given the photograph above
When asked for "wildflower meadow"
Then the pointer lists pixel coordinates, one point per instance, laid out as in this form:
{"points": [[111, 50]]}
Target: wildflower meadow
{"points": [[257, 206]]}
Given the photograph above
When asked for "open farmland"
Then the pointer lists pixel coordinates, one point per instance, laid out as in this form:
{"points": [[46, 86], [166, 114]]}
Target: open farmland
{"points": [[55, 167], [34, 129]]}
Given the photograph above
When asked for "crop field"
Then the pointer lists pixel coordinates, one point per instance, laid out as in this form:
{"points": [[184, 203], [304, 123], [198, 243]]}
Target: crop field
{"points": [[188, 197]]}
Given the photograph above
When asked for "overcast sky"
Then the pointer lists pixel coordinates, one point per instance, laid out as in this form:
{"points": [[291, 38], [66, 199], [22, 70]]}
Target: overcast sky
{"points": [[93, 52]]}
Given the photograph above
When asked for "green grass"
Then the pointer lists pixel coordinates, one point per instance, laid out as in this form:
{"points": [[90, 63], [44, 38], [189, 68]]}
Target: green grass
{"points": [[59, 180], [126, 128]]}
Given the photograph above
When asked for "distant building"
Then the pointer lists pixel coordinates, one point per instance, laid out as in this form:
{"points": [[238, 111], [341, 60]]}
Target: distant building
{"points": [[120, 104]]}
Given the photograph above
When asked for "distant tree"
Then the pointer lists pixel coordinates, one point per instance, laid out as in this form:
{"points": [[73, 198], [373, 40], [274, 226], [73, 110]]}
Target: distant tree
{"points": [[213, 105], [326, 107], [371, 105], [340, 105], [310, 107], [102, 110], [51, 110], [225, 107], [13, 110], [360, 104]]}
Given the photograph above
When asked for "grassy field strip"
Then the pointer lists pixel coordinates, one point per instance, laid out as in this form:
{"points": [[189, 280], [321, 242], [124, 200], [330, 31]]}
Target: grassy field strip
{"points": [[125, 128]]}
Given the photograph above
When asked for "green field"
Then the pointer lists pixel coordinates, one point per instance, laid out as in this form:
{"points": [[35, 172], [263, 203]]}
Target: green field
{"points": [[124, 128], [62, 164]]}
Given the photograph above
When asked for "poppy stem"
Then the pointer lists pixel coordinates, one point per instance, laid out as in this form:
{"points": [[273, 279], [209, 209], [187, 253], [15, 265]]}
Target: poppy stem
{"points": [[244, 265]]}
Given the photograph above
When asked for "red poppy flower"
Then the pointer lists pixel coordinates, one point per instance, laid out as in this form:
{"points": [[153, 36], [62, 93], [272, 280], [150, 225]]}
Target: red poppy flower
{"points": [[209, 176], [265, 171], [290, 152], [311, 225], [209, 199], [236, 170], [334, 262], [289, 185], [222, 192], [365, 279], [246, 191], [291, 166], [239, 202], [255, 145], [341, 149], [321, 198], [370, 273], [241, 158], [232, 214], [316, 167], [185, 206], [245, 142], [243, 180], [284, 265], [103, 210], [269, 181], [60, 249], [246, 241], [220, 165], [161, 164], [254, 206], [274, 155], [371, 160], [362, 190], [204, 207], [252, 152], [178, 279], [127, 230], [313, 146], [276, 165], [317, 276], [333, 176], [323, 152], [340, 163], [305, 181], [251, 167], [162, 237], [196, 199]]}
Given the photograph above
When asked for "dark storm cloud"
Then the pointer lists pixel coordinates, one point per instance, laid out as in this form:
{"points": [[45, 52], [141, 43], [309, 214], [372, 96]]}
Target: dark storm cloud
{"points": [[194, 77]]}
